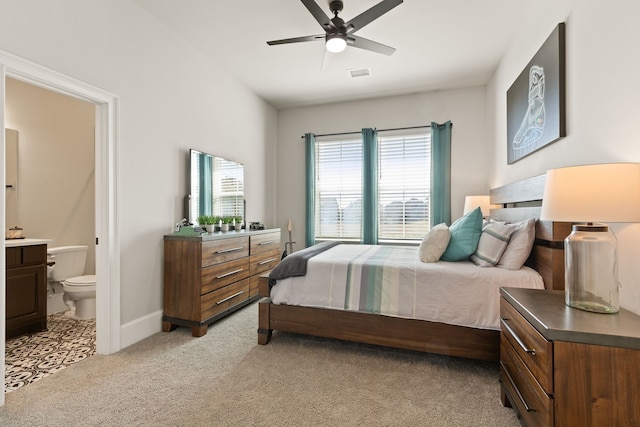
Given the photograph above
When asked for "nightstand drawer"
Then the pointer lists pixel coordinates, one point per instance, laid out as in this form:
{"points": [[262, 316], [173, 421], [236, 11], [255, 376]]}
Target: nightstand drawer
{"points": [[532, 402], [534, 350], [218, 251]]}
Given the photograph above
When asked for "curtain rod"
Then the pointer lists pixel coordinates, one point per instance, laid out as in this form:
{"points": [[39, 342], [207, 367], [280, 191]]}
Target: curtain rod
{"points": [[379, 130]]}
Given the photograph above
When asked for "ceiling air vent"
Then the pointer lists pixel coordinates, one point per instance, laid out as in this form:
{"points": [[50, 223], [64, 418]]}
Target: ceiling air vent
{"points": [[359, 72]]}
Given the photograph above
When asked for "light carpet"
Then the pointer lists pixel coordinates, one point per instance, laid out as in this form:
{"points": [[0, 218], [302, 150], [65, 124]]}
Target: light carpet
{"points": [[226, 379]]}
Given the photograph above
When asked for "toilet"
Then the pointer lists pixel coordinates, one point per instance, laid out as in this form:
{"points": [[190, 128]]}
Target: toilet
{"points": [[79, 290]]}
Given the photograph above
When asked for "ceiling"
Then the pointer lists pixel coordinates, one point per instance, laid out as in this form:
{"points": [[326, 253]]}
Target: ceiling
{"points": [[441, 44]]}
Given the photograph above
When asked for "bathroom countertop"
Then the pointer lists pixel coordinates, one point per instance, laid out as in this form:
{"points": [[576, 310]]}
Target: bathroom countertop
{"points": [[9, 243]]}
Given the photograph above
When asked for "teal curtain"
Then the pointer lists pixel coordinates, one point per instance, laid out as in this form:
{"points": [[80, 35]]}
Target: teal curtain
{"points": [[310, 205], [440, 173], [370, 187]]}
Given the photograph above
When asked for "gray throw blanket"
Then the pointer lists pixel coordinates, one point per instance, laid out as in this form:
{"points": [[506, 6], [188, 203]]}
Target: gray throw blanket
{"points": [[295, 264]]}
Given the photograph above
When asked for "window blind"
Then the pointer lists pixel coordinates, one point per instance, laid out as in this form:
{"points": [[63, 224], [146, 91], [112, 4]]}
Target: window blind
{"points": [[229, 194], [403, 187], [338, 189]]}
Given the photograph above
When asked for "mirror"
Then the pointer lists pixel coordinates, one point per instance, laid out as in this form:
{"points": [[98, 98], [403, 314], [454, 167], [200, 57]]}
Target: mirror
{"points": [[216, 187], [11, 177]]}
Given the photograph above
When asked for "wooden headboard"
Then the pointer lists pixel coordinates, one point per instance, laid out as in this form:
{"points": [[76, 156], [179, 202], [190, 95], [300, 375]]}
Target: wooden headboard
{"points": [[521, 200]]}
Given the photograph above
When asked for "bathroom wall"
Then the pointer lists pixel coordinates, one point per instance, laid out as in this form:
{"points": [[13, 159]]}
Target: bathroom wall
{"points": [[56, 166]]}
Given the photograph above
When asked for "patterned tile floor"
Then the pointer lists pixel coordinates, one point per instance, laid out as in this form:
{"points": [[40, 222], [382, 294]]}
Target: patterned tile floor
{"points": [[31, 357]]}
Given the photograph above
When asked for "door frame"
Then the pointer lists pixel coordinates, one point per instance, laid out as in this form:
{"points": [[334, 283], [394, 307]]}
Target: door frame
{"points": [[106, 206]]}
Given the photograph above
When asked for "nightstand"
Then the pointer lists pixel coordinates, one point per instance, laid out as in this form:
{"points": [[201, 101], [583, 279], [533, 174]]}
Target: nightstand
{"points": [[560, 366]]}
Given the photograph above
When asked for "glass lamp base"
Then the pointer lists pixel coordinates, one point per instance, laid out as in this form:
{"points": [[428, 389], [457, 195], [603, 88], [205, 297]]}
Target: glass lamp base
{"points": [[593, 307], [591, 277]]}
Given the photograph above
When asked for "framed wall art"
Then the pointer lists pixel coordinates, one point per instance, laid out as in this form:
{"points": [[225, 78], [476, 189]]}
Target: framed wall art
{"points": [[536, 100]]}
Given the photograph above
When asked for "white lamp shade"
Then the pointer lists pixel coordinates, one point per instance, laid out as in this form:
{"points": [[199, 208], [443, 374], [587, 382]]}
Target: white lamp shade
{"points": [[336, 43], [472, 202], [593, 193]]}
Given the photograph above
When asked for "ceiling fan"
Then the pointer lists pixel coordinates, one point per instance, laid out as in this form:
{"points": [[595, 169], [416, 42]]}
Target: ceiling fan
{"points": [[339, 34]]}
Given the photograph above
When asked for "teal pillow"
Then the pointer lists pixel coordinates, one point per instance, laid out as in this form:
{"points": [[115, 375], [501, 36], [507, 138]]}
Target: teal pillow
{"points": [[465, 235]]}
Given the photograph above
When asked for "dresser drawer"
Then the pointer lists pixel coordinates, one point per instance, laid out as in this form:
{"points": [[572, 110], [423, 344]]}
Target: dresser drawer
{"points": [[534, 350], [220, 275], [264, 261], [217, 301], [218, 251], [266, 242], [525, 393]]}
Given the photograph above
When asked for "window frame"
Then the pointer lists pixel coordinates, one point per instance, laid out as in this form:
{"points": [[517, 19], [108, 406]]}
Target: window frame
{"points": [[383, 137]]}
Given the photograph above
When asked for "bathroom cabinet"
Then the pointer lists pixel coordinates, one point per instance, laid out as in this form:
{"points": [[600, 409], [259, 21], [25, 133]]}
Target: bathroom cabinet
{"points": [[26, 289], [209, 276]]}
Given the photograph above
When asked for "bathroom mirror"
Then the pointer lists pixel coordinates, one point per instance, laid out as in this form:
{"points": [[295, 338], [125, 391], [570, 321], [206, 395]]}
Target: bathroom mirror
{"points": [[216, 187], [11, 177]]}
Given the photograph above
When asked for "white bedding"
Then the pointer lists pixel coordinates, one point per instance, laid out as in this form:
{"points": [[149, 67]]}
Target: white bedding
{"points": [[391, 280]]}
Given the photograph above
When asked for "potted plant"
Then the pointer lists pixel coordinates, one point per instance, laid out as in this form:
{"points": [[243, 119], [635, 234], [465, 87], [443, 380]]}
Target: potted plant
{"points": [[238, 223], [207, 222], [216, 221], [226, 221]]}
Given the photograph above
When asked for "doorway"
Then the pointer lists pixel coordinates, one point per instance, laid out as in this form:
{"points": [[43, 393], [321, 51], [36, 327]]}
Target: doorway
{"points": [[107, 254]]}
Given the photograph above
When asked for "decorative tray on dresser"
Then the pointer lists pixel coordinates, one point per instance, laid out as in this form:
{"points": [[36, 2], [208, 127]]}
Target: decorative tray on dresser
{"points": [[560, 366], [209, 276]]}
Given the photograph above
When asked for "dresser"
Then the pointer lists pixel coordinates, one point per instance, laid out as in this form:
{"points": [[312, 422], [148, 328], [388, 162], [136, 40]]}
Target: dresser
{"points": [[560, 366], [26, 289], [209, 276]]}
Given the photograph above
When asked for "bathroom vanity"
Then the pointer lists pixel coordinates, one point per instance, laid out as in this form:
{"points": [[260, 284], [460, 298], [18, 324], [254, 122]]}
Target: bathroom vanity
{"points": [[26, 286], [208, 276]]}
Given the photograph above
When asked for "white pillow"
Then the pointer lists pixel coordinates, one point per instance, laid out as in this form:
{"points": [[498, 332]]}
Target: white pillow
{"points": [[434, 243], [493, 242], [519, 247]]}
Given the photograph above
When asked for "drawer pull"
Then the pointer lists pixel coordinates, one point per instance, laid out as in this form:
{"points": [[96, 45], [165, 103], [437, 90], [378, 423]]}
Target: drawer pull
{"points": [[531, 351], [271, 242], [230, 297], [224, 251], [229, 273], [266, 261], [513, 385]]}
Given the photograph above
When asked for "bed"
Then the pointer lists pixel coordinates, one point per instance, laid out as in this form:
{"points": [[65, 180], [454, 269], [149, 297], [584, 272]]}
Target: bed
{"points": [[391, 324]]}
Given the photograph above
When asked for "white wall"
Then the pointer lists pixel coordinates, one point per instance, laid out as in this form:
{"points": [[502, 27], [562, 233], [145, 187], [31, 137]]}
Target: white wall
{"points": [[602, 103], [464, 107], [56, 166], [171, 98]]}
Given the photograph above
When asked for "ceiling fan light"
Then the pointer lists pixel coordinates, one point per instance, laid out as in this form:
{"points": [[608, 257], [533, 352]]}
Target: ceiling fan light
{"points": [[336, 43]]}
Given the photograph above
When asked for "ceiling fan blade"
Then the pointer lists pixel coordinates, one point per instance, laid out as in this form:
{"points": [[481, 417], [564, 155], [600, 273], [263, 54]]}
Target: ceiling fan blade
{"points": [[297, 40], [369, 15], [362, 43], [318, 13]]}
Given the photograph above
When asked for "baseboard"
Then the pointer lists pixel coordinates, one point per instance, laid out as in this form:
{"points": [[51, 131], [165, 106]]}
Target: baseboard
{"points": [[139, 329]]}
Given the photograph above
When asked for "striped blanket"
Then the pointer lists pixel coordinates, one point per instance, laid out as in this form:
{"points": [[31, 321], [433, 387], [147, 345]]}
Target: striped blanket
{"points": [[373, 279], [391, 280]]}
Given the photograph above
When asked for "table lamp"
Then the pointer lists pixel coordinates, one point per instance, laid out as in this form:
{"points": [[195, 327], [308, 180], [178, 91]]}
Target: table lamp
{"points": [[590, 195], [472, 202]]}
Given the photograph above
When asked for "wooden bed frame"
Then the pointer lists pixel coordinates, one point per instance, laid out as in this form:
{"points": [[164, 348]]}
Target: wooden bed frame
{"points": [[518, 201]]}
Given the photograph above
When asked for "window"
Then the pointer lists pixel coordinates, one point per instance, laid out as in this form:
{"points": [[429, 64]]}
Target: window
{"points": [[404, 185], [403, 188], [338, 190]]}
